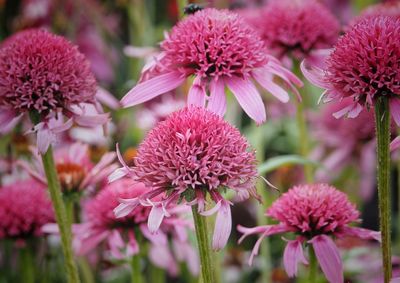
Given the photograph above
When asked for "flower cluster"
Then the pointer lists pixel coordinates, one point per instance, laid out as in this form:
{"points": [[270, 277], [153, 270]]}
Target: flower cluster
{"points": [[190, 154]]}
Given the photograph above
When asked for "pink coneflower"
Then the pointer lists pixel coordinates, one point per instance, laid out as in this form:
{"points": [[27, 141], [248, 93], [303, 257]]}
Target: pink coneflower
{"points": [[24, 209], [76, 171], [192, 153], [44, 76], [100, 225], [295, 28], [364, 65], [315, 213], [219, 49]]}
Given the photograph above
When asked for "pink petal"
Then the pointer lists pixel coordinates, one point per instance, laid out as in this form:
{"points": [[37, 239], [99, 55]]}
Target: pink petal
{"points": [[265, 80], [116, 244], [133, 246], [292, 255], [395, 110], [118, 174], [223, 226], [44, 138], [351, 111], [92, 120], [197, 93], [313, 74], [125, 207], [156, 217], [328, 257], [50, 228], [151, 88], [212, 210], [248, 98], [395, 144], [107, 99], [217, 99], [85, 245], [361, 233]]}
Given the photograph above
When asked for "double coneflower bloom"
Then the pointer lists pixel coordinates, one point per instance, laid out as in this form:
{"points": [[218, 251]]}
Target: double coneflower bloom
{"points": [[192, 154], [218, 49], [315, 213]]}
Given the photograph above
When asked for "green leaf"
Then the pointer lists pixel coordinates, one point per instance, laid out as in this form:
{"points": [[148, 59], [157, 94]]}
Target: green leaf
{"points": [[279, 161]]}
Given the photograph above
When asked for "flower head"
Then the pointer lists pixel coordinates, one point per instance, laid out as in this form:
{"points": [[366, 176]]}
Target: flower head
{"points": [[45, 75], [76, 171], [218, 48], [390, 9], [295, 28], [100, 225], [24, 209], [192, 153], [363, 66], [315, 213]]}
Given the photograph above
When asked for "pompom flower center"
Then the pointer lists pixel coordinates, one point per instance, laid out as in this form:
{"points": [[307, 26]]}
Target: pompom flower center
{"points": [[70, 175]]}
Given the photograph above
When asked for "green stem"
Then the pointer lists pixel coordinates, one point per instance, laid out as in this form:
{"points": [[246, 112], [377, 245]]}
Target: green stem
{"points": [[86, 271], [137, 276], [27, 265], [69, 207], [206, 266], [382, 121], [157, 275], [265, 253], [304, 140], [61, 215], [312, 265]]}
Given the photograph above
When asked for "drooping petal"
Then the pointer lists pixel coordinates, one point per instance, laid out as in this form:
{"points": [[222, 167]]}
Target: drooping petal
{"points": [[292, 255], [367, 170], [156, 217], [395, 144], [92, 120], [328, 257], [350, 111], [266, 81], [84, 245], [248, 97], [361, 233], [223, 226], [197, 93], [314, 74], [116, 244], [395, 110], [125, 207], [118, 174], [217, 99], [151, 88], [106, 98], [44, 138]]}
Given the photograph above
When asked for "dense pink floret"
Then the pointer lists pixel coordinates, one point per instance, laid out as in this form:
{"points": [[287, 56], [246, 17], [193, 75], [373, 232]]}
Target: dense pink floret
{"points": [[41, 71], [366, 61], [24, 209], [314, 209], [213, 43], [195, 148], [99, 210], [297, 27]]}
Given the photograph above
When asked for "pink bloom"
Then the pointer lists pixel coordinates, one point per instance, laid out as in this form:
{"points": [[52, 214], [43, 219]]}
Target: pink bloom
{"points": [[76, 171], [192, 153], [45, 76], [315, 213], [24, 209], [364, 65], [295, 28], [100, 225], [219, 49]]}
